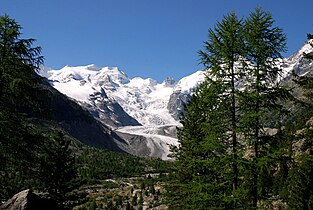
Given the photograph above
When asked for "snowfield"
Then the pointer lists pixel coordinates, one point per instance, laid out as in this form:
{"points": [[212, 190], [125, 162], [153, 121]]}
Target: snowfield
{"points": [[143, 99]]}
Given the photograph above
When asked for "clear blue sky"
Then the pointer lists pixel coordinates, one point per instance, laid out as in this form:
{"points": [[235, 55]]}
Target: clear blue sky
{"points": [[146, 38]]}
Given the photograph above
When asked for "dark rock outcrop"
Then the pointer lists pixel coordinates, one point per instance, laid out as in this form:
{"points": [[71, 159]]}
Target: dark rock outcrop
{"points": [[176, 104], [27, 200]]}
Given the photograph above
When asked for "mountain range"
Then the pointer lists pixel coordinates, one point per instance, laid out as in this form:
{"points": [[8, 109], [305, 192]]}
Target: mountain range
{"points": [[141, 115]]}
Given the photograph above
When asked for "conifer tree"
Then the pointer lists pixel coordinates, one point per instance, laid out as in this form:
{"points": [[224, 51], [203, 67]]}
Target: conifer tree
{"points": [[57, 167], [19, 61], [223, 58], [240, 90], [299, 193], [201, 160], [211, 124], [262, 94]]}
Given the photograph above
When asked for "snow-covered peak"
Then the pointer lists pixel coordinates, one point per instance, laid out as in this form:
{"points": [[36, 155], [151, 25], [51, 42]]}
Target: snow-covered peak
{"points": [[79, 82], [89, 73], [139, 82], [145, 100], [93, 67], [296, 62], [306, 48], [189, 83], [117, 76]]}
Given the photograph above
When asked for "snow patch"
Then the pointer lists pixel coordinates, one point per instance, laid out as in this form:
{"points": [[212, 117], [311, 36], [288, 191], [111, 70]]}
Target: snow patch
{"points": [[189, 83]]}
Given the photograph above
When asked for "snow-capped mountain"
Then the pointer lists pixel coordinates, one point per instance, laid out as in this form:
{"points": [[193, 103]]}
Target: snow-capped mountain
{"points": [[149, 109], [144, 100], [142, 112], [182, 92], [298, 63]]}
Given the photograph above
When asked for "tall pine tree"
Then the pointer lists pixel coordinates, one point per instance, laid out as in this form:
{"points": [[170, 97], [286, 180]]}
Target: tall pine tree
{"points": [[208, 139], [223, 58], [263, 94], [57, 167], [19, 61], [226, 125]]}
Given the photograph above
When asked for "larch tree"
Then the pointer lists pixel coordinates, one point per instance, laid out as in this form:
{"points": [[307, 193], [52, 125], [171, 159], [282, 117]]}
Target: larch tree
{"points": [[57, 167], [263, 94], [223, 58], [225, 121], [19, 61], [208, 139]]}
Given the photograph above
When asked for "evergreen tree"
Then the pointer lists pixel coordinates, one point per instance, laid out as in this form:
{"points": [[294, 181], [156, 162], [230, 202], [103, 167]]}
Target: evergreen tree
{"points": [[210, 126], [18, 63], [262, 94], [240, 90], [223, 57], [201, 159], [299, 193], [18, 97], [57, 167]]}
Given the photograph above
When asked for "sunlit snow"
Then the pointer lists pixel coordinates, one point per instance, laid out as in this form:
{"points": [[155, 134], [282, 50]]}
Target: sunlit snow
{"points": [[145, 100]]}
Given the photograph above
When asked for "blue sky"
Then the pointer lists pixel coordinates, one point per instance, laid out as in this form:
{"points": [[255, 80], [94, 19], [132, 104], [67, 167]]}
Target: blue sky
{"points": [[146, 38]]}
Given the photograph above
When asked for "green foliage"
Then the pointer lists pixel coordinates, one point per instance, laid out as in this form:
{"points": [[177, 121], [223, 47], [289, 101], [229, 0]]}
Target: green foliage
{"points": [[19, 139], [57, 163], [224, 122], [96, 164], [201, 157], [210, 127], [18, 154], [135, 200], [18, 63], [298, 189], [262, 94], [300, 184], [223, 57]]}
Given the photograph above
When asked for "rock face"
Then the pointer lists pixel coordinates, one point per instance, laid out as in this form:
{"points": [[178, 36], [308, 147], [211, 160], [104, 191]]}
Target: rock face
{"points": [[91, 87], [176, 104], [27, 200], [76, 121], [182, 93], [108, 111]]}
